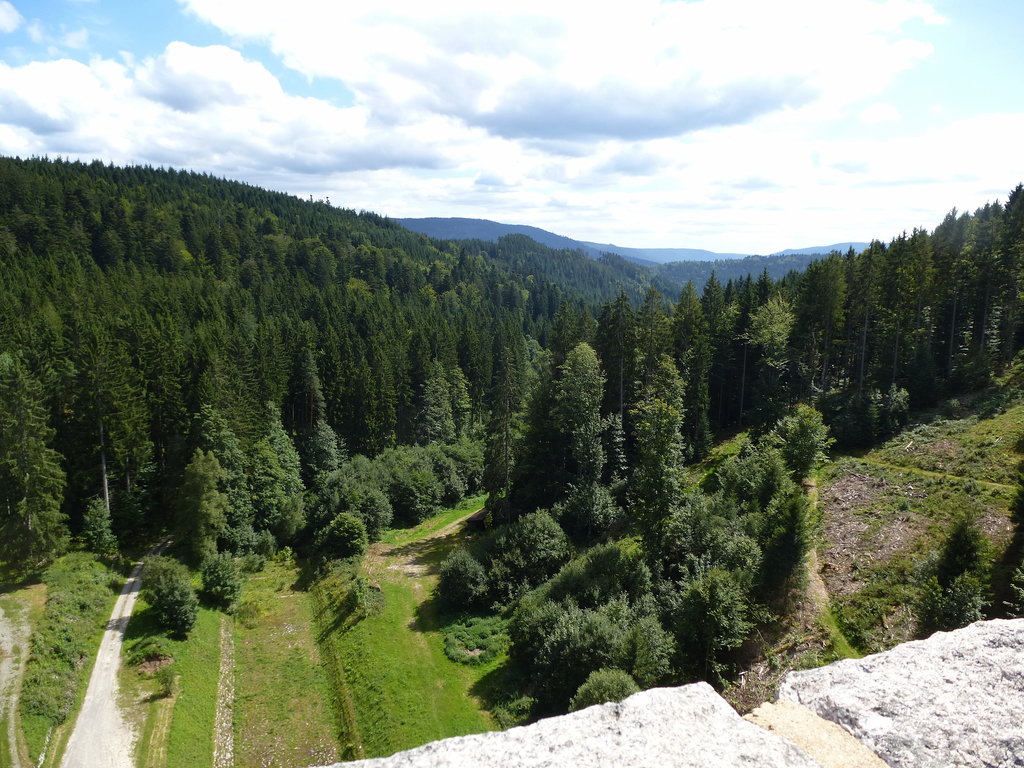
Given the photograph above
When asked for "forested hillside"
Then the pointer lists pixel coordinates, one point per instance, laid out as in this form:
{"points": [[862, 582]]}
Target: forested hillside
{"points": [[146, 313], [251, 371]]}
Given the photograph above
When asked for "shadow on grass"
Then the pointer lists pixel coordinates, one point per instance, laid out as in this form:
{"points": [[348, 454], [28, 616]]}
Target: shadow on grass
{"points": [[143, 623], [429, 552], [1013, 556], [12, 582]]}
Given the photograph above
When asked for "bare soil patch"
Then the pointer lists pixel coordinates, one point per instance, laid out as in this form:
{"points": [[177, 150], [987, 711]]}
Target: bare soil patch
{"points": [[857, 533], [152, 665]]}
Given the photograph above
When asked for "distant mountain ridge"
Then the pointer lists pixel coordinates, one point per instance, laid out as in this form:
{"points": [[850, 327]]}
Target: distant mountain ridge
{"points": [[484, 229], [840, 247]]}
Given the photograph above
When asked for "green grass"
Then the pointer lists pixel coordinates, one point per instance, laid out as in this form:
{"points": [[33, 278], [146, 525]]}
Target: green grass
{"points": [[80, 595], [399, 536], [282, 711], [400, 689], [196, 669], [982, 445], [694, 475], [406, 691], [840, 646]]}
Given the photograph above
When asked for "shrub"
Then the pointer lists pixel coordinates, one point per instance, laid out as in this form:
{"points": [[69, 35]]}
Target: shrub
{"points": [[784, 533], [463, 581], [605, 572], [513, 712], [411, 485], [803, 438], [468, 456], [587, 511], [647, 651], [169, 591], [954, 594], [344, 537], [374, 509], [476, 641], [580, 642], [710, 618], [222, 584], [702, 533], [525, 554], [940, 609], [77, 605], [601, 686], [447, 473]]}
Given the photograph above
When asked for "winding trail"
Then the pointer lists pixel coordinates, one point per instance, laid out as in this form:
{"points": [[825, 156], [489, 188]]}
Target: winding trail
{"points": [[102, 737], [14, 634]]}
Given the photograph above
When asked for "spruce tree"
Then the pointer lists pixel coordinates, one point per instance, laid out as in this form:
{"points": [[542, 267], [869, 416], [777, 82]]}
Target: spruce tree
{"points": [[32, 527]]}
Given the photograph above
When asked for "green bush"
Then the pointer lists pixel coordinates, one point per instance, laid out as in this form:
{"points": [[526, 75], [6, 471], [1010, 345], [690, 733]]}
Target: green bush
{"points": [[169, 591], [710, 618], [940, 609], [222, 584], [513, 712], [344, 537], [77, 606], [476, 641], [148, 648], [525, 554], [462, 581], [605, 572], [804, 440], [96, 531], [601, 686], [412, 486], [579, 642]]}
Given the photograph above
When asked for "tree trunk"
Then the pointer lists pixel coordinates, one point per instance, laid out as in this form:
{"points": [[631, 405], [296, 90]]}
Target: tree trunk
{"points": [[103, 469], [743, 381]]}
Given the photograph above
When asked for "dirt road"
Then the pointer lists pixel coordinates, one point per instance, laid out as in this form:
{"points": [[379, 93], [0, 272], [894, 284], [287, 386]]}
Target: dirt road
{"points": [[13, 651], [102, 738]]}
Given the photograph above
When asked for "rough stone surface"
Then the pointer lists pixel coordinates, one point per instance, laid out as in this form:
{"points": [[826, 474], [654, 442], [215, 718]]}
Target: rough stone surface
{"points": [[822, 739], [955, 699], [681, 727]]}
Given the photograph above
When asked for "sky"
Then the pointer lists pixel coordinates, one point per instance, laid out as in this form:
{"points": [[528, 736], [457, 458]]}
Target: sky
{"points": [[732, 125]]}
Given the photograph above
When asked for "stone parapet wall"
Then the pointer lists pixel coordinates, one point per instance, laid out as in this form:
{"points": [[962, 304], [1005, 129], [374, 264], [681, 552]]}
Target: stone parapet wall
{"points": [[955, 700]]}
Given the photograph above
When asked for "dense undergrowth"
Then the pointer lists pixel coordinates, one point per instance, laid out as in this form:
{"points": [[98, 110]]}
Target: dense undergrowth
{"points": [[80, 592]]}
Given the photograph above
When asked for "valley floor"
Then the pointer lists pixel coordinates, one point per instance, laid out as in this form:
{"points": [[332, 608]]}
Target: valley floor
{"points": [[404, 688]]}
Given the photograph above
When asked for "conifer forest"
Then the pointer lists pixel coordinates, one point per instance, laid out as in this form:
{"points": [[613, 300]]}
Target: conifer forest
{"points": [[248, 373]]}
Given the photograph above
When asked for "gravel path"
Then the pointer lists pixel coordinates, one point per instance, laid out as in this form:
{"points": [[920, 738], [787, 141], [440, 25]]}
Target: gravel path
{"points": [[223, 729], [102, 737], [13, 651]]}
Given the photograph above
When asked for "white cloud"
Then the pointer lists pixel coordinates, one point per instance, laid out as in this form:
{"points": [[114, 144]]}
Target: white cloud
{"points": [[700, 124], [78, 38], [880, 112], [547, 71], [204, 108], [10, 19], [188, 78]]}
